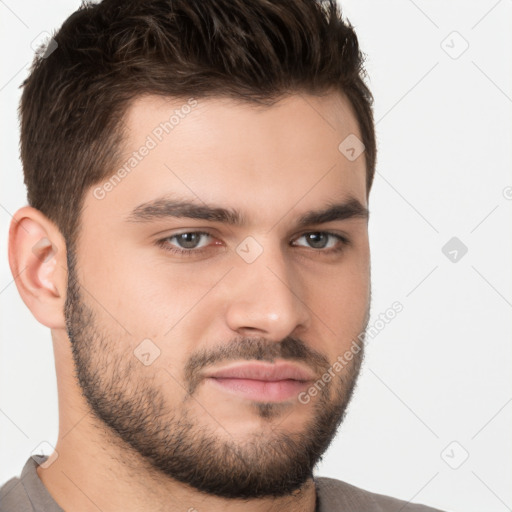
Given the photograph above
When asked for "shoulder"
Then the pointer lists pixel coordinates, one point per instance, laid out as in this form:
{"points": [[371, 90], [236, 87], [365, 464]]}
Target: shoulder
{"points": [[335, 495], [26, 492], [13, 497]]}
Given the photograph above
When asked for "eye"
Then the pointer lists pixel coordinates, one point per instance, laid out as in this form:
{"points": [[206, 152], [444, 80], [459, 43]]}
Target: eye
{"points": [[187, 242], [192, 240], [322, 240]]}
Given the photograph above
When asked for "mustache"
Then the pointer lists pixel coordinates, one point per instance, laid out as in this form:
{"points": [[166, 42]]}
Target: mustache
{"points": [[258, 349]]}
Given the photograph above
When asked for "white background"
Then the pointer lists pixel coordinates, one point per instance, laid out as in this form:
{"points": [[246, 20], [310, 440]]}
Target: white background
{"points": [[440, 371]]}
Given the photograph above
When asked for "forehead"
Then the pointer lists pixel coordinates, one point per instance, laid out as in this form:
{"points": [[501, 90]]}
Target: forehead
{"points": [[260, 160]]}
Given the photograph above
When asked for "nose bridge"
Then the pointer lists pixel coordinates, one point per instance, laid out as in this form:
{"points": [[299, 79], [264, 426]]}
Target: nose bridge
{"points": [[265, 294]]}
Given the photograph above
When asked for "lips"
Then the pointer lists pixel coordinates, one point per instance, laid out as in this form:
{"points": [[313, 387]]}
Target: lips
{"points": [[263, 371], [260, 381]]}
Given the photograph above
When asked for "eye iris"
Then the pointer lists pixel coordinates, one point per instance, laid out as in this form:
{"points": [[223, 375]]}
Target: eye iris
{"points": [[317, 240], [189, 240]]}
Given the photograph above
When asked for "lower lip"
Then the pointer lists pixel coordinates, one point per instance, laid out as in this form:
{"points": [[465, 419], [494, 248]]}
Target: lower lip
{"points": [[260, 390]]}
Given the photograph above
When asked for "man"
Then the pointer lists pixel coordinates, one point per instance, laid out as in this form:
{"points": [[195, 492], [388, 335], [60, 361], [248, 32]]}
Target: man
{"points": [[196, 239]]}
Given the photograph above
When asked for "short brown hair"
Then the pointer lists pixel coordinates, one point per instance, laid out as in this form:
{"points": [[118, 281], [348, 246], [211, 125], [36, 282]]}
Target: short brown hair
{"points": [[109, 53]]}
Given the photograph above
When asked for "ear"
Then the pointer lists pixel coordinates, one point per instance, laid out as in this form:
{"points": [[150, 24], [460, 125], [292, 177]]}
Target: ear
{"points": [[37, 257]]}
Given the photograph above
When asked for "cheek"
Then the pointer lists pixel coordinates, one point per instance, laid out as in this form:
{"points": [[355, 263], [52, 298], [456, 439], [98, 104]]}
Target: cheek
{"points": [[340, 299], [342, 304], [141, 289]]}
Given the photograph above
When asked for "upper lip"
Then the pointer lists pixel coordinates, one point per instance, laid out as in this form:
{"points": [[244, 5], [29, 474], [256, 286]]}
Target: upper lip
{"points": [[257, 370]]}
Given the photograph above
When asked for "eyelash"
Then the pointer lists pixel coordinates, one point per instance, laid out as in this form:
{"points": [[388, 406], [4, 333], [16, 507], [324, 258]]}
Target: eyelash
{"points": [[164, 243]]}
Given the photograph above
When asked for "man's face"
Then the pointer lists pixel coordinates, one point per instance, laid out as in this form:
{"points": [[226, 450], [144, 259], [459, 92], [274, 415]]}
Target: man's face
{"points": [[216, 280]]}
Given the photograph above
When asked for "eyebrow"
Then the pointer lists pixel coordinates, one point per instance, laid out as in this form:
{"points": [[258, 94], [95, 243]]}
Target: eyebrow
{"points": [[350, 209], [162, 208]]}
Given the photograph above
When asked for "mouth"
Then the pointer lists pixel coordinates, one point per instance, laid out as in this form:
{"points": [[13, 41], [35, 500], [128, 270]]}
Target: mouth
{"points": [[262, 382]]}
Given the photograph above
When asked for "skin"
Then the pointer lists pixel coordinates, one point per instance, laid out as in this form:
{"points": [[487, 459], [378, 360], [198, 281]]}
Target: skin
{"points": [[273, 165]]}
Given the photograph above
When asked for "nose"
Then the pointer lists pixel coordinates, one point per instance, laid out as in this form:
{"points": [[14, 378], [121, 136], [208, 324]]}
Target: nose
{"points": [[266, 298]]}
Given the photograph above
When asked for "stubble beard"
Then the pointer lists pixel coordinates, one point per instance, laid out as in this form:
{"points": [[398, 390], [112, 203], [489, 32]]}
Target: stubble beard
{"points": [[171, 441]]}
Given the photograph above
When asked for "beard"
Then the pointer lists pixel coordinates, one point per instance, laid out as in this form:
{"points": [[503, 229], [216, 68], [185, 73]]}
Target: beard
{"points": [[170, 441]]}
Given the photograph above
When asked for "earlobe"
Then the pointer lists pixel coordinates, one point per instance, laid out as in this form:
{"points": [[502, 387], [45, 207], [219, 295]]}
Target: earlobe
{"points": [[37, 257]]}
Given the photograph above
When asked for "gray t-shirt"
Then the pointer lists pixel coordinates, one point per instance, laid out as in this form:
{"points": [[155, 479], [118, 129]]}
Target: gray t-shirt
{"points": [[28, 494]]}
